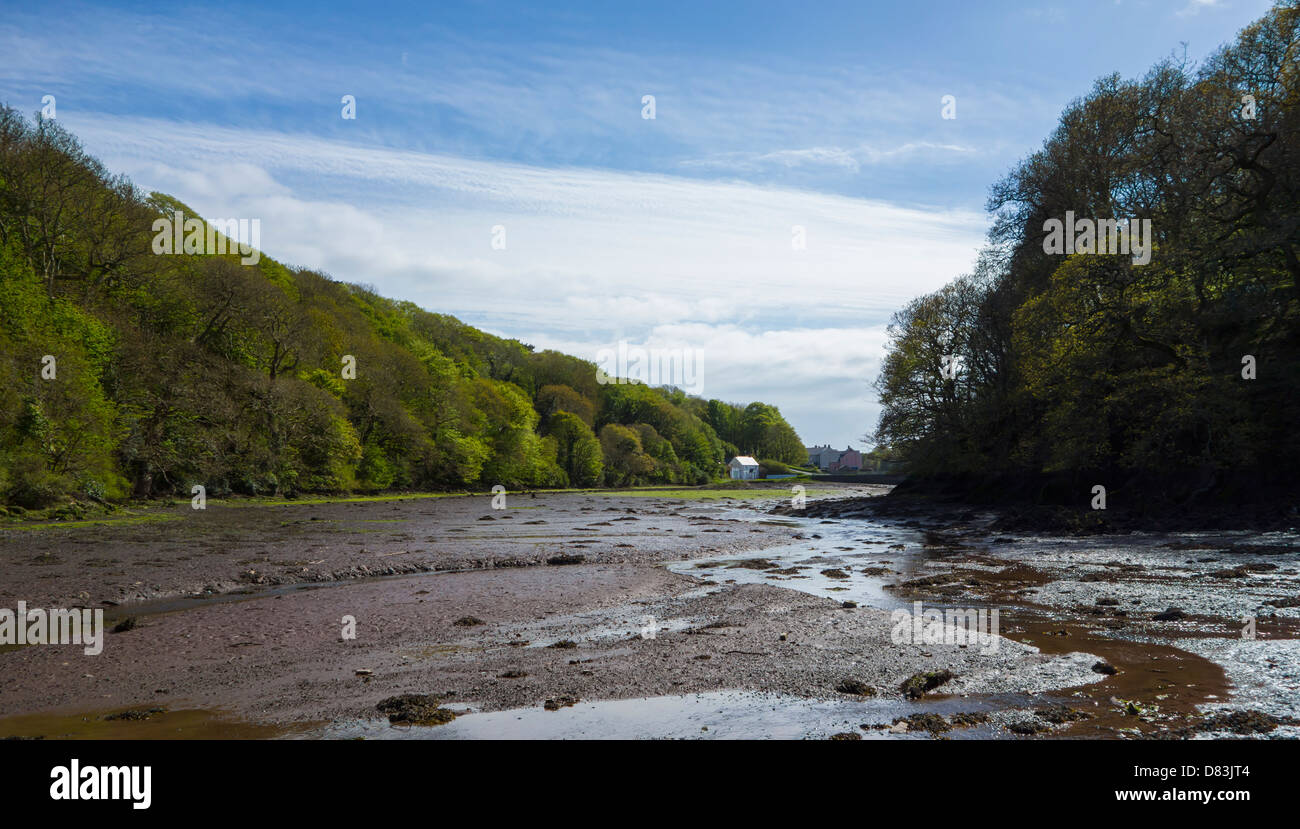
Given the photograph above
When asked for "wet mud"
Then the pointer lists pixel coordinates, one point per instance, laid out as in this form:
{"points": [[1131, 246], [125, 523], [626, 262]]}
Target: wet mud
{"points": [[595, 601]]}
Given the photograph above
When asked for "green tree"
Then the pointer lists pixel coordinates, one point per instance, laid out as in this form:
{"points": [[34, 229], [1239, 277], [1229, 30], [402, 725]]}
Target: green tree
{"points": [[578, 451]]}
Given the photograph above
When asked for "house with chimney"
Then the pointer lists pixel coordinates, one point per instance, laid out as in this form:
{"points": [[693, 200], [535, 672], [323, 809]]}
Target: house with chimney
{"points": [[829, 459]]}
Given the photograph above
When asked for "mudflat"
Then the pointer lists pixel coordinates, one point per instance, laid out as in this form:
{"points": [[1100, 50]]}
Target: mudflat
{"points": [[235, 620]]}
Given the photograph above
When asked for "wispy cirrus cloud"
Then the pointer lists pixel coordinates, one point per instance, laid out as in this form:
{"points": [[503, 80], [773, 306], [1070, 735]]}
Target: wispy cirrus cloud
{"points": [[552, 103], [591, 255], [1197, 6], [852, 159]]}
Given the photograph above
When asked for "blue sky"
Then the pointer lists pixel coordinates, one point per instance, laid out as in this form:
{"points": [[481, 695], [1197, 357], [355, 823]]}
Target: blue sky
{"points": [[673, 232]]}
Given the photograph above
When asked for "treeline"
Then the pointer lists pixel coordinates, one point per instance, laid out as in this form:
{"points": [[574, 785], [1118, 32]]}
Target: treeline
{"points": [[1088, 368], [132, 374]]}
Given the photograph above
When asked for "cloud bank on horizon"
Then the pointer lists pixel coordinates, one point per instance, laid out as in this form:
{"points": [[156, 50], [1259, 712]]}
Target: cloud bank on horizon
{"points": [[483, 122]]}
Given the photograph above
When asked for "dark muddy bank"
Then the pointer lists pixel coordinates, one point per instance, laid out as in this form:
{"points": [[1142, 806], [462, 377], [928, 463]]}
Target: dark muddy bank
{"points": [[1064, 503]]}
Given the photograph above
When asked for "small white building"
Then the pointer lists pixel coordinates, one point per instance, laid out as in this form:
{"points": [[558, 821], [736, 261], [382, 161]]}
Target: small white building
{"points": [[743, 468]]}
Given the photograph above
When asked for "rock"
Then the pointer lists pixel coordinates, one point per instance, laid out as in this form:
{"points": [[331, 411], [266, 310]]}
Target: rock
{"points": [[1105, 668], [932, 581], [560, 702], [754, 564], [916, 686], [566, 558], [1173, 614], [1027, 728], [1061, 714], [1245, 722], [415, 709], [933, 723], [468, 621], [855, 687], [846, 735], [1231, 573]]}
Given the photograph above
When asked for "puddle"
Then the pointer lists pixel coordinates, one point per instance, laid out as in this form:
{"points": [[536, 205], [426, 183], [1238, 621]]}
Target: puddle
{"points": [[185, 724], [717, 715], [868, 545]]}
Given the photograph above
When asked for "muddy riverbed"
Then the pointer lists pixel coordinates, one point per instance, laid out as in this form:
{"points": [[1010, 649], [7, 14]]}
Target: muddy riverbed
{"points": [[649, 614]]}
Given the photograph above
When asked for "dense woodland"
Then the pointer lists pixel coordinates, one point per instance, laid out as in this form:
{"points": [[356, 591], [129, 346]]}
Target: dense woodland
{"points": [[176, 370], [1088, 368]]}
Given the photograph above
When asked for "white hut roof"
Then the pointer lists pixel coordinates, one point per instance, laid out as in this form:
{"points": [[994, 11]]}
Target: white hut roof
{"points": [[744, 460]]}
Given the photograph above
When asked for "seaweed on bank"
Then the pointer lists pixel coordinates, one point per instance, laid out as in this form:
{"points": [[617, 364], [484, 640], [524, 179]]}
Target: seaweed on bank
{"points": [[917, 685], [415, 709]]}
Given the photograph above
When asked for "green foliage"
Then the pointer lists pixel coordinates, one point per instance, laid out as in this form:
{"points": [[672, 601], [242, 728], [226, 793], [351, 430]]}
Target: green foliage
{"points": [[767, 466], [577, 451], [626, 463], [1097, 363], [175, 370]]}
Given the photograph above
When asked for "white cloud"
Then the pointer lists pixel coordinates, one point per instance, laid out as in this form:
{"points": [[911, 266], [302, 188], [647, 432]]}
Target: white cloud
{"points": [[823, 374], [1195, 6], [591, 255], [549, 100], [850, 159]]}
